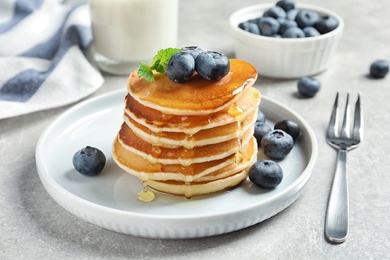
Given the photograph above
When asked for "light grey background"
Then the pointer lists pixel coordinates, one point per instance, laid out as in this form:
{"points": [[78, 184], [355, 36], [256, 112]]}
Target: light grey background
{"points": [[34, 226]]}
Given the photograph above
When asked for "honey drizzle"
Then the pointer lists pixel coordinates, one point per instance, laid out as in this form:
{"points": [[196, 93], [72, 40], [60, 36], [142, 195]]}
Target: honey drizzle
{"points": [[189, 141], [237, 113], [188, 190], [238, 158], [146, 195], [187, 171]]}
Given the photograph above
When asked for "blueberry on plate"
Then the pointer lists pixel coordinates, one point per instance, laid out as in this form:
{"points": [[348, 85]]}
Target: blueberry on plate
{"points": [[277, 144], [212, 65], [293, 32], [193, 50], [260, 130], [266, 174], [306, 18], [286, 5], [290, 127], [326, 24], [379, 69], [311, 32], [181, 67], [268, 26], [89, 161], [308, 86], [275, 12]]}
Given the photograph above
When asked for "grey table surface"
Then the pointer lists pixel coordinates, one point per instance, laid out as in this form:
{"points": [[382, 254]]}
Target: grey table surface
{"points": [[34, 226]]}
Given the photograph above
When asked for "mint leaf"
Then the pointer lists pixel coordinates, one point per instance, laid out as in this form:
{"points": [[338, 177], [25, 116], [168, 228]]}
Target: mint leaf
{"points": [[159, 63], [146, 72], [156, 65]]}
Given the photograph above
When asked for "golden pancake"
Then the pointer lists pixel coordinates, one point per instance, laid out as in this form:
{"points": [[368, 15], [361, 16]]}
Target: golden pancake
{"points": [[200, 188], [180, 155], [157, 121], [196, 96], [198, 172], [203, 137]]}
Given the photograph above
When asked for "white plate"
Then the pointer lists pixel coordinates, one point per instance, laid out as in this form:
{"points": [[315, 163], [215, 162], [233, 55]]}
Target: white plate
{"points": [[109, 199]]}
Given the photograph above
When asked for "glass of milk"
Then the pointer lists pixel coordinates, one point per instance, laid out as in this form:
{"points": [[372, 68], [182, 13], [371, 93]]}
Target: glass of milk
{"points": [[126, 32]]}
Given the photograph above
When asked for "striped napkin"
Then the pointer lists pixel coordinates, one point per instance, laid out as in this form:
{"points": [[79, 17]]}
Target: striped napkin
{"points": [[42, 56]]}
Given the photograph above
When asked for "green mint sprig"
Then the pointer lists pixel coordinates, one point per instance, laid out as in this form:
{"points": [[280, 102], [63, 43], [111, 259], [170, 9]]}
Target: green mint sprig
{"points": [[159, 64]]}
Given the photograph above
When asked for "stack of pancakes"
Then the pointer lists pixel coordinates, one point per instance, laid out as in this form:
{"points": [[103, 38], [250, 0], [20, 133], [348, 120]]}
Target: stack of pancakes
{"points": [[191, 138]]}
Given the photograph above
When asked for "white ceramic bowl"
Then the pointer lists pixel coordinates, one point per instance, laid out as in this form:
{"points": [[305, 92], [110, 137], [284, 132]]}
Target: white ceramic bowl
{"points": [[284, 57]]}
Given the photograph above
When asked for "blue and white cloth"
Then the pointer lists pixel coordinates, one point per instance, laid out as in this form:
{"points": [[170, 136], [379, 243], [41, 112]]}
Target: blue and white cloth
{"points": [[42, 55]]}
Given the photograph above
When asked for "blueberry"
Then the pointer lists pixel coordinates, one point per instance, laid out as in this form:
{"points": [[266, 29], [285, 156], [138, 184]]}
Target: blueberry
{"points": [[308, 86], [286, 5], [268, 26], [255, 20], [250, 27], [277, 144], [212, 65], [275, 12], [292, 14], [243, 25], [181, 67], [379, 69], [193, 50], [281, 20], [306, 18], [266, 174], [326, 24], [89, 161], [293, 32], [290, 127], [286, 24], [261, 117], [261, 129], [311, 32]]}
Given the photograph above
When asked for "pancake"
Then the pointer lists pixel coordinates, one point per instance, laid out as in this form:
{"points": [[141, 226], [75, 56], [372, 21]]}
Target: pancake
{"points": [[197, 172], [197, 96], [157, 154], [157, 121], [191, 138], [204, 137], [200, 188]]}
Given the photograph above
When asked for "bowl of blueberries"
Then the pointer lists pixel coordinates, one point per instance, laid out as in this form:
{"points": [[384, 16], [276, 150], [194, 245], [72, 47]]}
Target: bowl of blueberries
{"points": [[286, 39]]}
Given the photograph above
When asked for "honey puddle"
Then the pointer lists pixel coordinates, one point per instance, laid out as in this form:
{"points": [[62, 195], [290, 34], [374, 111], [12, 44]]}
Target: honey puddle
{"points": [[146, 195]]}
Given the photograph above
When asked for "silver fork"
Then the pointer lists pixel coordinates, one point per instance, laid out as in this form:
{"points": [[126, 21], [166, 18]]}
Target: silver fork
{"points": [[336, 222]]}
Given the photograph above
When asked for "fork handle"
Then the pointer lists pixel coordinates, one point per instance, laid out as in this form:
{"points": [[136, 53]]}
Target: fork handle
{"points": [[336, 222]]}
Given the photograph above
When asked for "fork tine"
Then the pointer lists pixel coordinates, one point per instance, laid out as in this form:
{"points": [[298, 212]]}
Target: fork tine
{"points": [[333, 122], [357, 132], [346, 128]]}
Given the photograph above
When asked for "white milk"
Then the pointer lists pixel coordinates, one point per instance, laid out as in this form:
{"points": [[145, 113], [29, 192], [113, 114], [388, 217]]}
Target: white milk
{"points": [[133, 30]]}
